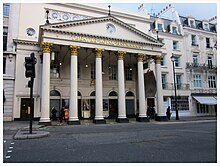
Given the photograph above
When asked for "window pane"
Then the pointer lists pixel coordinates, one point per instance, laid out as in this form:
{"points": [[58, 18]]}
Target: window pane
{"points": [[207, 43], [5, 36], [4, 65], [160, 27], [128, 73], [174, 29], [6, 8], [112, 72]]}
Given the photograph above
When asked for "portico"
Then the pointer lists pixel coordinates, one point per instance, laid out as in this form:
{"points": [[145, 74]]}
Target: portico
{"points": [[104, 44]]}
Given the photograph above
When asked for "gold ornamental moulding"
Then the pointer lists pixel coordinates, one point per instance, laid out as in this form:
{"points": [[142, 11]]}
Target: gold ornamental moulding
{"points": [[121, 55], [74, 50], [140, 57], [46, 47], [98, 52], [157, 59], [106, 41]]}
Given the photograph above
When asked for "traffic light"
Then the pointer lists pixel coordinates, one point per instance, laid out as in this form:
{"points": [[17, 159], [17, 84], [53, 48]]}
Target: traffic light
{"points": [[30, 66]]}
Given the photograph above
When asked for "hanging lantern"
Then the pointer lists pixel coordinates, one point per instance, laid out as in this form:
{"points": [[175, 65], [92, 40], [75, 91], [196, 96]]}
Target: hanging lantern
{"points": [[53, 56]]}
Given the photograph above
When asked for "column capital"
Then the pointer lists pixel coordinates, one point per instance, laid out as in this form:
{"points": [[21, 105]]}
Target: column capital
{"points": [[140, 57], [121, 55], [98, 52], [74, 50], [46, 47], [158, 59]]}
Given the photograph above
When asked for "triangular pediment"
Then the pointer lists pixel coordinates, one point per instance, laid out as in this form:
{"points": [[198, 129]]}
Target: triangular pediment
{"points": [[105, 27]]}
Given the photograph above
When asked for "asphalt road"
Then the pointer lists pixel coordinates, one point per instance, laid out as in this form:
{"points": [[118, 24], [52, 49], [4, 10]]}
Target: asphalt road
{"points": [[165, 142]]}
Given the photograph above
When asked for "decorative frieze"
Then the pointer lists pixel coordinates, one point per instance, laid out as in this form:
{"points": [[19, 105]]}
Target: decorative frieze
{"points": [[64, 16], [106, 41]]}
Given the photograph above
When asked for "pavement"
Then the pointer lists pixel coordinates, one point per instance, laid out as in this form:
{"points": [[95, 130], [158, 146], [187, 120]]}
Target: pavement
{"points": [[22, 127]]}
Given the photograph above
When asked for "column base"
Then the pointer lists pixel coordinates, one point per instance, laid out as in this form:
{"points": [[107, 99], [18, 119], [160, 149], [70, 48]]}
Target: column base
{"points": [[75, 122], [142, 119], [161, 118], [122, 120], [45, 123], [99, 121]]}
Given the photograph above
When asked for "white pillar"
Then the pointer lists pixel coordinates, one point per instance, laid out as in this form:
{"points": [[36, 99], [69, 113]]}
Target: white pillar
{"points": [[73, 109], [98, 88], [141, 90], [161, 115], [45, 86], [121, 88]]}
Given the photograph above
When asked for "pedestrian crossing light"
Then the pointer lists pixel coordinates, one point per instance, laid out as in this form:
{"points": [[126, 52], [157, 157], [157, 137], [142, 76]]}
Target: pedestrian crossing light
{"points": [[30, 66]]}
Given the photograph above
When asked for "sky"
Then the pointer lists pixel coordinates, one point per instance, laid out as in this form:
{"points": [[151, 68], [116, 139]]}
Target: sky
{"points": [[199, 10]]}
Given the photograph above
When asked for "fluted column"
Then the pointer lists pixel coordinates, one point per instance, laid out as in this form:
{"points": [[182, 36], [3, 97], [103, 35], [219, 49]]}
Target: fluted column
{"points": [[161, 115], [45, 86], [73, 108], [121, 89], [99, 119], [141, 90]]}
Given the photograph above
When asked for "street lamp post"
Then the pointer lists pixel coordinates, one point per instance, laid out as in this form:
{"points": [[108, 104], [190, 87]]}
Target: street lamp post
{"points": [[174, 80]]}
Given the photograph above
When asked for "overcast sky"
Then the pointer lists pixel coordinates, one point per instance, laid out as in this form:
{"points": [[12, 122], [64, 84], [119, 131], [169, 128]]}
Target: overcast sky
{"points": [[198, 10]]}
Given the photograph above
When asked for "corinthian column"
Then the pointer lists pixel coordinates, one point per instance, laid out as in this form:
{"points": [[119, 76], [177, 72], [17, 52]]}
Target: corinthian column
{"points": [[161, 116], [141, 90], [121, 89], [45, 86], [73, 109], [99, 119]]}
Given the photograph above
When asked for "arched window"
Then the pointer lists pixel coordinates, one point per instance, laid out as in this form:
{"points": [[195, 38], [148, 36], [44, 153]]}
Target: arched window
{"points": [[54, 93], [129, 93], [113, 93], [93, 93], [79, 94]]}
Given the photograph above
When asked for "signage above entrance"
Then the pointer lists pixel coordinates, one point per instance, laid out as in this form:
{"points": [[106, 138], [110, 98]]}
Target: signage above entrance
{"points": [[105, 41]]}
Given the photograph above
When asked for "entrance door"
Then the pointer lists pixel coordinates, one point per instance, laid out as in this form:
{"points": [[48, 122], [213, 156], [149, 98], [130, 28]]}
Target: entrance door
{"points": [[92, 108], [113, 108], [55, 103], [79, 109], [25, 109], [130, 108]]}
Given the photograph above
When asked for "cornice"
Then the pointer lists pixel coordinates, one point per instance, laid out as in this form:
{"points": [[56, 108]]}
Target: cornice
{"points": [[25, 42], [59, 31], [199, 30]]}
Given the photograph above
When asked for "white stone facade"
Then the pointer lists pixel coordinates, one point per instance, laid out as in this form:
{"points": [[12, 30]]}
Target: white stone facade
{"points": [[91, 28]]}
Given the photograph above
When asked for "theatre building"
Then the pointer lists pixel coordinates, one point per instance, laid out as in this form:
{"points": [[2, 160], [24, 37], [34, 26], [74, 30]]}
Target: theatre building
{"points": [[89, 60]]}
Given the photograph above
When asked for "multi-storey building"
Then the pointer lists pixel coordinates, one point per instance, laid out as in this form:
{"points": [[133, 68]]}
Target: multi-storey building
{"points": [[200, 38], [9, 60], [92, 61]]}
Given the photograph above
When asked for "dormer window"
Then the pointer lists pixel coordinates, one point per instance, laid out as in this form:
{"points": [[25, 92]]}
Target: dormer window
{"points": [[174, 30], [206, 26], [160, 27], [192, 23]]}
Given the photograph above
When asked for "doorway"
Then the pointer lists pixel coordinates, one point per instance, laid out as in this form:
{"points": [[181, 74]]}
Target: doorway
{"points": [[113, 105], [130, 111], [113, 108], [55, 99]]}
